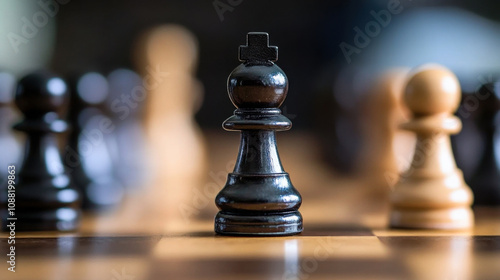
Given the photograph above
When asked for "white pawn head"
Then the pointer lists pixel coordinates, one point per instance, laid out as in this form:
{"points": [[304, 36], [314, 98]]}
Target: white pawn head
{"points": [[432, 89], [171, 47]]}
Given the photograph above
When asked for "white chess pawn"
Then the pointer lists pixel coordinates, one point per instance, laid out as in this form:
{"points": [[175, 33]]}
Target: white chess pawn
{"points": [[432, 194]]}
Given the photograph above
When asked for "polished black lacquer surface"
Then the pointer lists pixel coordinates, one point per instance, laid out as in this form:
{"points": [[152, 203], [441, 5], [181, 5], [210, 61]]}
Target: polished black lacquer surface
{"points": [[44, 196], [258, 198]]}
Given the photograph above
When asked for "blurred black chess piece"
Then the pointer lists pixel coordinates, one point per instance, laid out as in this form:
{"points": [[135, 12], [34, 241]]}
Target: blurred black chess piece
{"points": [[10, 146], [92, 143], [258, 198], [45, 197], [485, 182], [468, 144], [125, 104]]}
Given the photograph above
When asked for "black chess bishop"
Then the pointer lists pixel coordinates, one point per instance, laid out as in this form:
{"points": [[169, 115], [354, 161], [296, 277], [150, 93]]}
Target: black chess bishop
{"points": [[258, 198]]}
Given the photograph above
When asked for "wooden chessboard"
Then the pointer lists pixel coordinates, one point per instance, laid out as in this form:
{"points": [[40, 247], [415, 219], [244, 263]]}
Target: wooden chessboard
{"points": [[344, 237]]}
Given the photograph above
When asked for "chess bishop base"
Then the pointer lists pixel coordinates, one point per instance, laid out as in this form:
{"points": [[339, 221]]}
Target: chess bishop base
{"points": [[289, 223], [258, 204]]}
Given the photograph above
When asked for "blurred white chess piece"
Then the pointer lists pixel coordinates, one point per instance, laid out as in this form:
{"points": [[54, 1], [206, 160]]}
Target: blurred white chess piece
{"points": [[388, 150], [167, 56]]}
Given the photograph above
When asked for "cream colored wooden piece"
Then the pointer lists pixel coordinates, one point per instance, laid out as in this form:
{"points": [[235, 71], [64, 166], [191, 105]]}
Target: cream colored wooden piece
{"points": [[432, 194]]}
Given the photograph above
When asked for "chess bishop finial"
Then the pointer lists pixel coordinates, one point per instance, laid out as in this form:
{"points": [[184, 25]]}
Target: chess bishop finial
{"points": [[432, 194], [258, 198]]}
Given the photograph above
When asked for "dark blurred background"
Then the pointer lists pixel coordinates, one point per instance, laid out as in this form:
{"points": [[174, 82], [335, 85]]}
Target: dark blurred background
{"points": [[100, 35], [345, 107]]}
